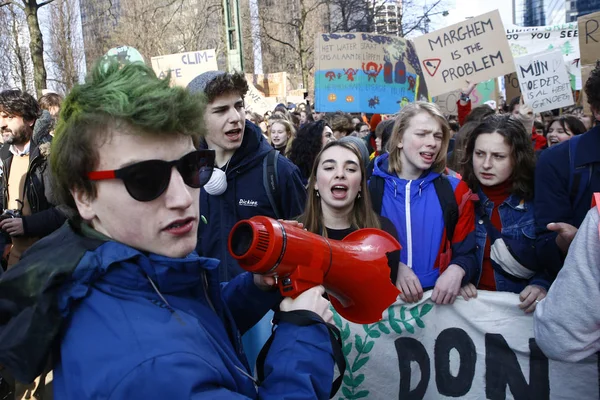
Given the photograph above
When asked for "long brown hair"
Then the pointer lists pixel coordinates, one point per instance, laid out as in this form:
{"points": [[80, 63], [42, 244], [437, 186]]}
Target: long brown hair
{"points": [[523, 158], [363, 215], [403, 119]]}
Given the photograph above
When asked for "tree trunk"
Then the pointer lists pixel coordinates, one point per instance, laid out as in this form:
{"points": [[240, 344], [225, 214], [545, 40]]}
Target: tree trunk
{"points": [[20, 68], [36, 46]]}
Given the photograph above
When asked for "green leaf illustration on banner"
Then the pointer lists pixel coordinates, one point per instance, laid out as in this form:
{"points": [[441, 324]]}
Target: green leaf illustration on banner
{"points": [[364, 344], [425, 309]]}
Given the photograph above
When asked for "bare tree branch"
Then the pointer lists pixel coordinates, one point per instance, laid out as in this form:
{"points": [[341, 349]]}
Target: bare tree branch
{"points": [[44, 3]]}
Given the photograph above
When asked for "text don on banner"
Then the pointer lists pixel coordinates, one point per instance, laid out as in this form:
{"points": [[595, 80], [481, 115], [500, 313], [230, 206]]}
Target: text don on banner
{"points": [[475, 50], [544, 81], [589, 38], [185, 66], [483, 92], [480, 349], [363, 72], [537, 39]]}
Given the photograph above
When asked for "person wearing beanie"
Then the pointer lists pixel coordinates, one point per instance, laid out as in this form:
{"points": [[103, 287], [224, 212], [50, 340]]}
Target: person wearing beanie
{"points": [[239, 187]]}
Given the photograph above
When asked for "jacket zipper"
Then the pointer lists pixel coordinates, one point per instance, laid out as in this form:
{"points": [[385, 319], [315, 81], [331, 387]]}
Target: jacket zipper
{"points": [[205, 280], [408, 225]]}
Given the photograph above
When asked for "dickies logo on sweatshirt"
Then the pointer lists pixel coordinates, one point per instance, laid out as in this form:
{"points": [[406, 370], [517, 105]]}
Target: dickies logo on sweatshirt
{"points": [[248, 203]]}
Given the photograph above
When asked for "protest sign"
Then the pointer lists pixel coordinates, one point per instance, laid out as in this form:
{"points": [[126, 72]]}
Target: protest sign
{"points": [[480, 349], [475, 50], [544, 81], [484, 91], [537, 39], [185, 66], [256, 102], [589, 38], [512, 87], [271, 85], [586, 70], [363, 72]]}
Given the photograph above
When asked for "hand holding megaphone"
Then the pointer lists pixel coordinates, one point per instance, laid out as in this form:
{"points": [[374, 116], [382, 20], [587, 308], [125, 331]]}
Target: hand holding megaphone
{"points": [[354, 271]]}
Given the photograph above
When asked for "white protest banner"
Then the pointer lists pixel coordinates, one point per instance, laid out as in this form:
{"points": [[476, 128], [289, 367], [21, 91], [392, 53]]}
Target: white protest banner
{"points": [[256, 102], [185, 66], [544, 81], [475, 50], [589, 40], [480, 349], [537, 39]]}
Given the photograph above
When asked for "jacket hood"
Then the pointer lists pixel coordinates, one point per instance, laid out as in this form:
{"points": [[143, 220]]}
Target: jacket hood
{"points": [[41, 129], [170, 275], [252, 150]]}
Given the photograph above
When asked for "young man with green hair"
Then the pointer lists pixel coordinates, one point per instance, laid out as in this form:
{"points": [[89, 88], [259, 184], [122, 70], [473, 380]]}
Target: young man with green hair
{"points": [[118, 296]]}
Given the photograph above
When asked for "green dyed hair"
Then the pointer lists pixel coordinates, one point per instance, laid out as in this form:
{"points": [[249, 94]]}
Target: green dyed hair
{"points": [[129, 98]]}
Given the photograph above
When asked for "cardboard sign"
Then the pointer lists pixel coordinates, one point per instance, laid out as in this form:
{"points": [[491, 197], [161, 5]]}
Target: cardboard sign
{"points": [[484, 91], [544, 81], [512, 87], [271, 85], [475, 50], [256, 102], [586, 70], [185, 66], [480, 349], [537, 39], [589, 38], [363, 72]]}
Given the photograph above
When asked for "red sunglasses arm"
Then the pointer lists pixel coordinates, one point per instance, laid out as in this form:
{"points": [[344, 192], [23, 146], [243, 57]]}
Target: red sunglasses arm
{"points": [[101, 175]]}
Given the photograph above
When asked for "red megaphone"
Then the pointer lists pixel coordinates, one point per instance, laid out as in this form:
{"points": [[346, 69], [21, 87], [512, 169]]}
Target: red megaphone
{"points": [[354, 271]]}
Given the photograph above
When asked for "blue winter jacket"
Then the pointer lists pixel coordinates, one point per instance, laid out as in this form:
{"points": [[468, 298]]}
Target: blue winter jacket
{"points": [[125, 339], [245, 198], [553, 201], [414, 208], [518, 232]]}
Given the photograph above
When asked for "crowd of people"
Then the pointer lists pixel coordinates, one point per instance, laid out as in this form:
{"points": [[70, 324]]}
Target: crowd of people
{"points": [[117, 212]]}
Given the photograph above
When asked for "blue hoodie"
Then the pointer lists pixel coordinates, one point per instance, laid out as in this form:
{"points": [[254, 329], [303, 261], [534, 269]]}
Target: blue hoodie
{"points": [[125, 339], [414, 209], [245, 198]]}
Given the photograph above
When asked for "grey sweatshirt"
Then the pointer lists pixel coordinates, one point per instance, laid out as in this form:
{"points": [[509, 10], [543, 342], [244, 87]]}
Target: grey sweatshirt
{"points": [[567, 321]]}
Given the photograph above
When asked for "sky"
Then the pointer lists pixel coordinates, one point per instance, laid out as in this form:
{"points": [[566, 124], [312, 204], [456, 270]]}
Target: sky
{"points": [[461, 9]]}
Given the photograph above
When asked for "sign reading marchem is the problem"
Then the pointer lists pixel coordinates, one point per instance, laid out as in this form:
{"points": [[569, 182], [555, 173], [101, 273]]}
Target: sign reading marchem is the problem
{"points": [[475, 50], [544, 81]]}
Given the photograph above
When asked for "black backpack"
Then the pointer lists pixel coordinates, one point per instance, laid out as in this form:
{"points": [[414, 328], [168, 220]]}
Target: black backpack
{"points": [[445, 194]]}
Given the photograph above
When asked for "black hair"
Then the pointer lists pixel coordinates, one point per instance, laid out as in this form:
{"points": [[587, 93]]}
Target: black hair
{"points": [[306, 146], [16, 102]]}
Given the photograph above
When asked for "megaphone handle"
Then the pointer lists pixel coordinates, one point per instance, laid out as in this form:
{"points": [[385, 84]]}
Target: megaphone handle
{"points": [[299, 281]]}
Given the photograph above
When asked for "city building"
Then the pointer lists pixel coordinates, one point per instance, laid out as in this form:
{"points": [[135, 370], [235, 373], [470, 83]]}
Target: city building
{"points": [[99, 19], [387, 17], [551, 12]]}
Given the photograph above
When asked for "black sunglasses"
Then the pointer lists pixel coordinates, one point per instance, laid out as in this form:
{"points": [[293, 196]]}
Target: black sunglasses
{"points": [[147, 180]]}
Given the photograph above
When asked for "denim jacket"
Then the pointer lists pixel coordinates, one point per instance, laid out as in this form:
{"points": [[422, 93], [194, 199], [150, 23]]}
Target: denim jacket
{"points": [[518, 229]]}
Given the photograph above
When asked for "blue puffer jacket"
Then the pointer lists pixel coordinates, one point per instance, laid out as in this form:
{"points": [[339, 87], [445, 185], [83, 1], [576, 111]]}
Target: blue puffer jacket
{"points": [[518, 232], [245, 198], [414, 209], [124, 341]]}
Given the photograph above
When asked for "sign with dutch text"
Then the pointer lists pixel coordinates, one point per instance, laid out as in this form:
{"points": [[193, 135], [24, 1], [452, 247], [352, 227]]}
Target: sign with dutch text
{"points": [[483, 348], [365, 72], [544, 81], [474, 50], [185, 66], [483, 92], [537, 39]]}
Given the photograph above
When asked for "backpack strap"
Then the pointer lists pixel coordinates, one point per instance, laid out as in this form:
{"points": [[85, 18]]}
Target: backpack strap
{"points": [[271, 181], [376, 187], [447, 199]]}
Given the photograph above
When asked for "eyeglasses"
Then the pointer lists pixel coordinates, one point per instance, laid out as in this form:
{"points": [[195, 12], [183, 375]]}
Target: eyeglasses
{"points": [[148, 180]]}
